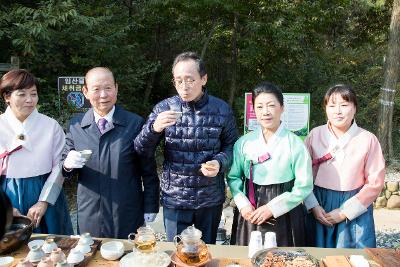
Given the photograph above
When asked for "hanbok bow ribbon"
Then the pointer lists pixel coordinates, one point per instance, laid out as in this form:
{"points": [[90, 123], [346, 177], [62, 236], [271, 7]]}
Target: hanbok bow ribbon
{"points": [[261, 159], [5, 154], [318, 161]]}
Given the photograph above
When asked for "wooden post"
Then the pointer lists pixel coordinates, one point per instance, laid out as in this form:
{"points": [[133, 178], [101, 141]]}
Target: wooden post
{"points": [[15, 62]]}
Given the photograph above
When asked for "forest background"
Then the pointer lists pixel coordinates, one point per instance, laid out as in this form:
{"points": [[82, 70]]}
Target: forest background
{"points": [[302, 46]]}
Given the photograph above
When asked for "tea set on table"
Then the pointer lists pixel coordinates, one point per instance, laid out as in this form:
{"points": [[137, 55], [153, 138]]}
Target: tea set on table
{"points": [[191, 251], [46, 253]]}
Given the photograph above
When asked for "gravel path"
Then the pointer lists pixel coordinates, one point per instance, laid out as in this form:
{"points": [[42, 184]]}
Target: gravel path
{"points": [[389, 238]]}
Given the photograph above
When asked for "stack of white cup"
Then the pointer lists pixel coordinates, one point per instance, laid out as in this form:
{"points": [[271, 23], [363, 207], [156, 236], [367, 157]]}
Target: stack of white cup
{"points": [[270, 240], [255, 243]]}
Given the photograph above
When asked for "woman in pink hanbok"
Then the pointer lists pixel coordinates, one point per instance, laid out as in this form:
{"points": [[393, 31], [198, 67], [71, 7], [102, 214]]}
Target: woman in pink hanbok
{"points": [[348, 170]]}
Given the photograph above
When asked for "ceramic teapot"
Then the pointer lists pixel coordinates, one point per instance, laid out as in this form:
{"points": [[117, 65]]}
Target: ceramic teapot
{"points": [[191, 249], [144, 240]]}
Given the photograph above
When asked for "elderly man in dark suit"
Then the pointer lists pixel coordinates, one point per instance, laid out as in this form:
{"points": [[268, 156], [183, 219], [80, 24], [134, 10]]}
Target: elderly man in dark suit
{"points": [[117, 189]]}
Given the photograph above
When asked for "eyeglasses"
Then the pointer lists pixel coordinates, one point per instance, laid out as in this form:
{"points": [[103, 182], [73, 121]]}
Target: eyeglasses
{"points": [[179, 83]]}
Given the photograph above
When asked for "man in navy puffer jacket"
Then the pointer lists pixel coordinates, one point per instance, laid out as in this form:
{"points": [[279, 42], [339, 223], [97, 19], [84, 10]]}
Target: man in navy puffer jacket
{"points": [[199, 132]]}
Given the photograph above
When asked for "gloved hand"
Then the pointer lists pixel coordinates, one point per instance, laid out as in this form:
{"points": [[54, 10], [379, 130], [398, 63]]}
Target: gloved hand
{"points": [[74, 160], [149, 217]]}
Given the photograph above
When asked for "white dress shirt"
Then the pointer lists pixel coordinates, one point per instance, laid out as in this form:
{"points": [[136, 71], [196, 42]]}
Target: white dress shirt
{"points": [[108, 117], [42, 146]]}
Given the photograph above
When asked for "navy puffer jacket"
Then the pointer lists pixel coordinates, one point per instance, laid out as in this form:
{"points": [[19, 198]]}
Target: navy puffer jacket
{"points": [[206, 131]]}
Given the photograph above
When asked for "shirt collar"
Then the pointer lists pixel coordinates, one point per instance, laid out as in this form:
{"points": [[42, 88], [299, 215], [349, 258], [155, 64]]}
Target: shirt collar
{"points": [[21, 128], [108, 116]]}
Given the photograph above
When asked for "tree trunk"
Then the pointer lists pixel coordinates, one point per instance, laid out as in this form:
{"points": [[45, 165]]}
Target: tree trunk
{"points": [[129, 5], [208, 39], [388, 90], [156, 51], [234, 53]]}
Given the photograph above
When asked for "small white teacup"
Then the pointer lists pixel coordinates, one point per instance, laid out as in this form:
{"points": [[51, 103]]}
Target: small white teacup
{"points": [[83, 246], [24, 263], [6, 261], [35, 254], [75, 256], [57, 255], [37, 242], [178, 114], [86, 238], [49, 245], [255, 243], [63, 263], [86, 154], [270, 240]]}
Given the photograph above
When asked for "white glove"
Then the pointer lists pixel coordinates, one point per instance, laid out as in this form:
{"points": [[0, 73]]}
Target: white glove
{"points": [[149, 217], [74, 160]]}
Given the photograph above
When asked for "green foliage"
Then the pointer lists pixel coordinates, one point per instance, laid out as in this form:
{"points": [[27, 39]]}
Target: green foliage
{"points": [[302, 46]]}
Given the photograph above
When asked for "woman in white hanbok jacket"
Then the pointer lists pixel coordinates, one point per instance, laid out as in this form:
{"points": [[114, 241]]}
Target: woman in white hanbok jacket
{"points": [[30, 152]]}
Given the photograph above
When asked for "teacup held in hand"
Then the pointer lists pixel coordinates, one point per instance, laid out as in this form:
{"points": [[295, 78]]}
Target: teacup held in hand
{"points": [[178, 114], [208, 166], [86, 154]]}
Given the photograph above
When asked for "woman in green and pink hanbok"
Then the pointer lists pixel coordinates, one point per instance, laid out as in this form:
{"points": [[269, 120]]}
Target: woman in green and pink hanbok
{"points": [[270, 175]]}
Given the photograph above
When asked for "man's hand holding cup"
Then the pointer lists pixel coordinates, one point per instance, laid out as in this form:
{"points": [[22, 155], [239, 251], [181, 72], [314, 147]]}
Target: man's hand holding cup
{"points": [[210, 168], [166, 119], [76, 159]]}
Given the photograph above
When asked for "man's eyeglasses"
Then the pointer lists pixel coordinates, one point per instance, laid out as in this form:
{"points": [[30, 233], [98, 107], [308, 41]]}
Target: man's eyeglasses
{"points": [[179, 83]]}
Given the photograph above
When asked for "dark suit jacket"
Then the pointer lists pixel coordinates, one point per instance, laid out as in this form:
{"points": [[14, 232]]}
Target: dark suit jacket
{"points": [[116, 186]]}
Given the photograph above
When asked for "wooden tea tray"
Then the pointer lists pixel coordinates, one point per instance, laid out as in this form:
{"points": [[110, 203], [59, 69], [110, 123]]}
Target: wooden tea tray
{"points": [[67, 243], [385, 257]]}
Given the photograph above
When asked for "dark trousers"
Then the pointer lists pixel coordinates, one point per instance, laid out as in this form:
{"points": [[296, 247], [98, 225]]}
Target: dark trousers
{"points": [[204, 219]]}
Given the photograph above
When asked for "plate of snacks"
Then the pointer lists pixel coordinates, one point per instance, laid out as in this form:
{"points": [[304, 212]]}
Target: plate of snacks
{"points": [[275, 257], [138, 259]]}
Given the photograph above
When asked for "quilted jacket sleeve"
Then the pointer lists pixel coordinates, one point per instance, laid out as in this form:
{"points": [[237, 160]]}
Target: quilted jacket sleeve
{"points": [[229, 136], [147, 140]]}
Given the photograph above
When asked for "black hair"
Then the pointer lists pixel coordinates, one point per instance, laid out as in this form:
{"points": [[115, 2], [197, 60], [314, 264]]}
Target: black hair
{"points": [[193, 56], [268, 88], [345, 91]]}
